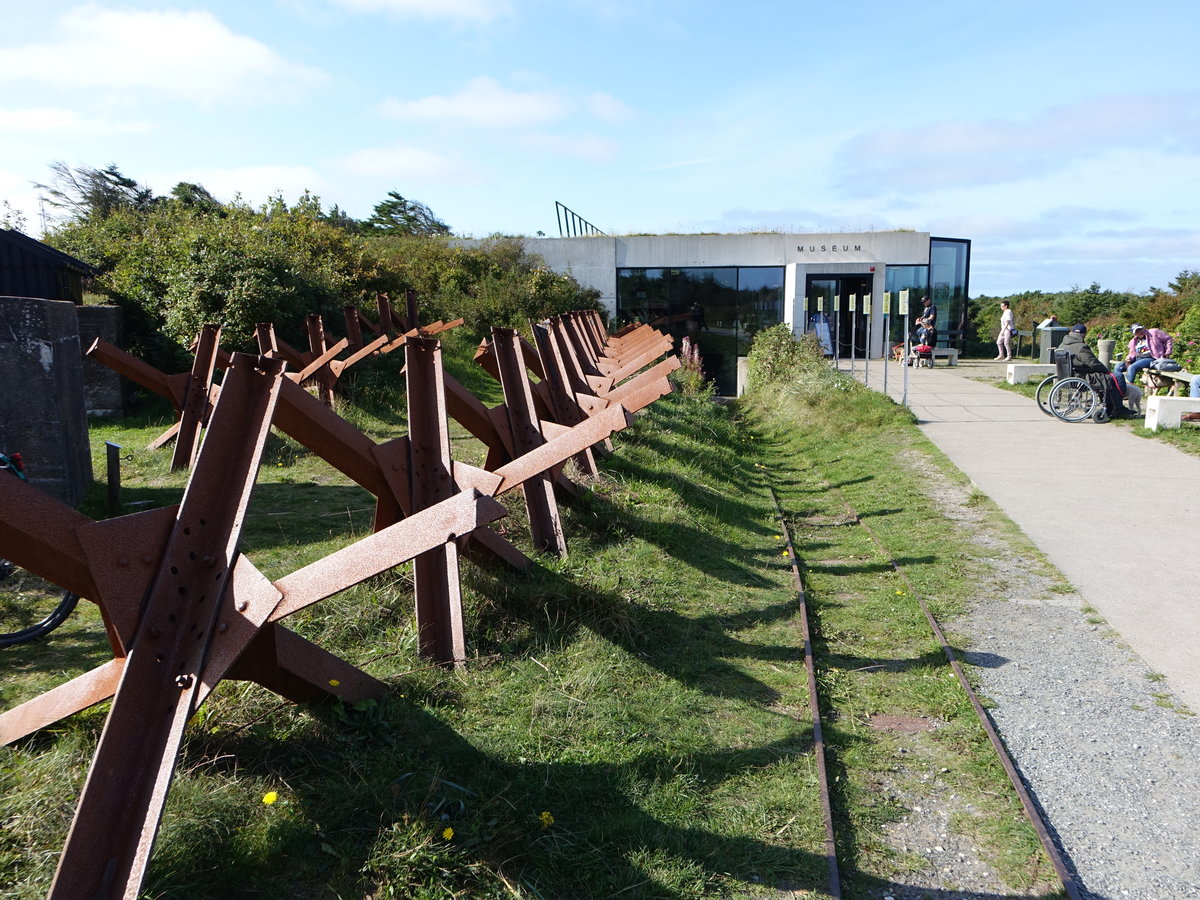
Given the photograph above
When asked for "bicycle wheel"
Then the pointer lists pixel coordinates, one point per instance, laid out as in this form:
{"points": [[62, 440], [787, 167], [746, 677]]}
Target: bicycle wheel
{"points": [[1072, 400], [1043, 394], [30, 607]]}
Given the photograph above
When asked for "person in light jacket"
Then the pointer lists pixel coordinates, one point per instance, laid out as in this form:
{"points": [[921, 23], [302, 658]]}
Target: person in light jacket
{"points": [[1146, 347], [1007, 327]]}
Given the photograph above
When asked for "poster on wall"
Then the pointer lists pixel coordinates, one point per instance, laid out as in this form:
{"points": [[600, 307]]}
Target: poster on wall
{"points": [[819, 323]]}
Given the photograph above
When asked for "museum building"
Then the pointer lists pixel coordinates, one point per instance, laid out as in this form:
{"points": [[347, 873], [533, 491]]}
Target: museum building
{"points": [[726, 287]]}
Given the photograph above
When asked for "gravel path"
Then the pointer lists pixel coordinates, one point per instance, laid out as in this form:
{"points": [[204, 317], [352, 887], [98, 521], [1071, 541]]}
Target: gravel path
{"points": [[1111, 756]]}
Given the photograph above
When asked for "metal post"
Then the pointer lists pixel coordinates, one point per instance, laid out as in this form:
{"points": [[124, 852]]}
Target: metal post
{"points": [[887, 339], [867, 349], [114, 476], [853, 300], [836, 331]]}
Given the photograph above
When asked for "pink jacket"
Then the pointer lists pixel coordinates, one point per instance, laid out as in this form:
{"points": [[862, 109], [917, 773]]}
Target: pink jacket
{"points": [[1160, 343]]}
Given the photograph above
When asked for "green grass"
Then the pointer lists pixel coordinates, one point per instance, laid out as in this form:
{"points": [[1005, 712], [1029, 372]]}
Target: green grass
{"points": [[634, 720]]}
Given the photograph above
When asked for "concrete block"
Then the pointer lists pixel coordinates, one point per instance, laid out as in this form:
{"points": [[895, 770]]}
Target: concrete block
{"points": [[1019, 373], [103, 389], [1166, 412], [41, 404]]}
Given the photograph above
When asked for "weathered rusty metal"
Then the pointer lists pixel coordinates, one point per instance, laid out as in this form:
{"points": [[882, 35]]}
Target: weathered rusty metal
{"points": [[545, 524], [435, 572], [194, 411], [558, 394], [205, 614], [131, 770], [304, 418]]}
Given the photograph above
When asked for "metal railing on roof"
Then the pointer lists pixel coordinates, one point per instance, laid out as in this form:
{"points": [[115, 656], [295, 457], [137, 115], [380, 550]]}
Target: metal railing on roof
{"points": [[571, 224]]}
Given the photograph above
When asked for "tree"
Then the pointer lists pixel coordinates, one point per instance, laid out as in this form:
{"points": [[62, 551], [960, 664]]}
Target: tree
{"points": [[86, 193], [396, 215], [195, 196]]}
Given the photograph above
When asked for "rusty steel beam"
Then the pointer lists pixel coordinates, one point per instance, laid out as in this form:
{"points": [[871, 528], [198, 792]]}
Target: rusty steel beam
{"points": [[435, 572], [446, 521], [131, 770], [545, 524], [194, 410], [586, 434], [208, 614]]}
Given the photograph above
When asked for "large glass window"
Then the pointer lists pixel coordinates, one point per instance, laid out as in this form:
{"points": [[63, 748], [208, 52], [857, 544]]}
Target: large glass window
{"points": [[949, 267], [723, 307], [915, 280]]}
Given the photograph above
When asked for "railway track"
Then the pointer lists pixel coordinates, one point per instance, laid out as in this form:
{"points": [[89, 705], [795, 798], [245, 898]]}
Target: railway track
{"points": [[1069, 883]]}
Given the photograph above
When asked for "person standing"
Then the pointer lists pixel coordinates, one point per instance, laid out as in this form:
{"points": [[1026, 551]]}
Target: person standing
{"points": [[1008, 325], [928, 315]]}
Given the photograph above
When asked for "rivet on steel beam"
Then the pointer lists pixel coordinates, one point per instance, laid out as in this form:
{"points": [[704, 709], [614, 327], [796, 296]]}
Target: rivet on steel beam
{"points": [[243, 605], [183, 681], [221, 628]]}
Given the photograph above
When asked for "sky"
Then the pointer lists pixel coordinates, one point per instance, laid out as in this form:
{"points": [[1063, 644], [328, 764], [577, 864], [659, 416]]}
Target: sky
{"points": [[1061, 136]]}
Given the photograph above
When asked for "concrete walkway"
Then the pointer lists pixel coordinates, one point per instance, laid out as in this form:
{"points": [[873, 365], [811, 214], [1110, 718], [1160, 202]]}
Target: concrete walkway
{"points": [[1119, 515]]}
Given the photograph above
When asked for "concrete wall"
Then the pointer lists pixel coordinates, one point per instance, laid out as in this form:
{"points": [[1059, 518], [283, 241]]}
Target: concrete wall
{"points": [[593, 261], [41, 394], [103, 389]]}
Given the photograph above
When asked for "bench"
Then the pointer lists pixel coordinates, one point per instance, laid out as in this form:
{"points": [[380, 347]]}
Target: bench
{"points": [[1019, 373], [1167, 412], [1156, 380], [950, 353]]}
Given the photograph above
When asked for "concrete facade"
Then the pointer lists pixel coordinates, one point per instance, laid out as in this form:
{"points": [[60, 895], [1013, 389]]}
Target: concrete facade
{"points": [[594, 261], [41, 395]]}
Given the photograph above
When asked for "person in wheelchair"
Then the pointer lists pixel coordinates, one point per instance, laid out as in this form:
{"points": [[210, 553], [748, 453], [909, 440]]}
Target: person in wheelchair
{"points": [[1084, 364]]}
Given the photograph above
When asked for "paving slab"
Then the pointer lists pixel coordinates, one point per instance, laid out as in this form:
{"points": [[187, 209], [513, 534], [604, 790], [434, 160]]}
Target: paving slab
{"points": [[1118, 514]]}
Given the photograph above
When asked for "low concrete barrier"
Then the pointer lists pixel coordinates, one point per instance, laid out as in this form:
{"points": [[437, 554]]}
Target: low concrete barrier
{"points": [[1019, 373], [1165, 412]]}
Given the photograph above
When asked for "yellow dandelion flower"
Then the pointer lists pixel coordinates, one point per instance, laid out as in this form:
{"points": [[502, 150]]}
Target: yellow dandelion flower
{"points": [[448, 833], [784, 553], [270, 797], [546, 818], [333, 682]]}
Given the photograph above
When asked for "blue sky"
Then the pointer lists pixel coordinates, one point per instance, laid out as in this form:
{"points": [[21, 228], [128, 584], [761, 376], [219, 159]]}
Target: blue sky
{"points": [[1062, 137]]}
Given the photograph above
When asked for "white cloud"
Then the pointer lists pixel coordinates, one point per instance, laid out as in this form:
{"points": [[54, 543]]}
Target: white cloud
{"points": [[607, 108], [588, 147], [482, 11], [995, 151], [403, 162], [55, 121], [180, 54], [482, 103]]}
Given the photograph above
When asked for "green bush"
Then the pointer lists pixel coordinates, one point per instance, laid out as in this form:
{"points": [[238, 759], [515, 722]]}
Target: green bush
{"points": [[776, 357], [496, 283]]}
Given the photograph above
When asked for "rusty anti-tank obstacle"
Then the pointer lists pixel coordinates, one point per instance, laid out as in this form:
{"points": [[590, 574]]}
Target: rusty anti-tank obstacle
{"points": [[273, 656], [191, 611], [378, 469]]}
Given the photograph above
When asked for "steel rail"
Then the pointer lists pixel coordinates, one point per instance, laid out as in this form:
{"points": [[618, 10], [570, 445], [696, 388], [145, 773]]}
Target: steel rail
{"points": [[1036, 819], [835, 880]]}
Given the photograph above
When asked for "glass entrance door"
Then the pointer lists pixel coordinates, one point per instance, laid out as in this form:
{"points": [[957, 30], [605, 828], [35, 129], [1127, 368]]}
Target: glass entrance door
{"points": [[827, 313]]}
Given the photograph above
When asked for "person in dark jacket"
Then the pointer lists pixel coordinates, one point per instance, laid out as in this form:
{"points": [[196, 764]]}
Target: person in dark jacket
{"points": [[1085, 364], [1083, 360]]}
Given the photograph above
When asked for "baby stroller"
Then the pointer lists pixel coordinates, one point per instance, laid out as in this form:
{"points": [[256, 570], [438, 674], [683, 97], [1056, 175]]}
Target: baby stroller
{"points": [[922, 349], [921, 355]]}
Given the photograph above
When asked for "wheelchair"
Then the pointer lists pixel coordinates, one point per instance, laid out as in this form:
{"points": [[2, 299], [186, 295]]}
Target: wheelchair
{"points": [[1071, 397]]}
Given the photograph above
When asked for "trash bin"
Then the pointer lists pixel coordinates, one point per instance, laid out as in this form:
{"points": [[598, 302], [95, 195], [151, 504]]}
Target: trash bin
{"points": [[1048, 339]]}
